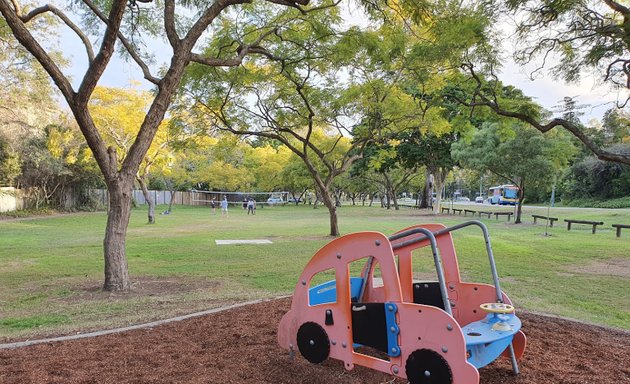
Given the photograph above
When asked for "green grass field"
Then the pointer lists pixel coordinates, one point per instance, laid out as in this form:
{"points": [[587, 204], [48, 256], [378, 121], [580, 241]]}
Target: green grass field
{"points": [[51, 268]]}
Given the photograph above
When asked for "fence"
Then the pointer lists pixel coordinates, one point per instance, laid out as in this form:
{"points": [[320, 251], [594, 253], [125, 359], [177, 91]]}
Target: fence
{"points": [[12, 199], [159, 197]]}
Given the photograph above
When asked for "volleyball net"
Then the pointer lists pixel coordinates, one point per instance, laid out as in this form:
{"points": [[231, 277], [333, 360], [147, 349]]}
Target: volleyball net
{"points": [[238, 198]]}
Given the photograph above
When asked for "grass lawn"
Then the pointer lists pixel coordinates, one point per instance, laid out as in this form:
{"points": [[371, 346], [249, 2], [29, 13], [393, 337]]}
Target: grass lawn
{"points": [[51, 268]]}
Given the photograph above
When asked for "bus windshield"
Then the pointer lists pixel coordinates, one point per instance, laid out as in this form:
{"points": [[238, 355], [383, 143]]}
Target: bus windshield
{"points": [[511, 193]]}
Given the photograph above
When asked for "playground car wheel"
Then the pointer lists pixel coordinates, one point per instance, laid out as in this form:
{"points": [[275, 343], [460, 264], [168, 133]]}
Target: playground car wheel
{"points": [[425, 366], [313, 342]]}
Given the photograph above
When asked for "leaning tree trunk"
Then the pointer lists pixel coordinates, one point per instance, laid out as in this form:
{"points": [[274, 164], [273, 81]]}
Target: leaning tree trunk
{"points": [[148, 199], [330, 203], [118, 212], [332, 212]]}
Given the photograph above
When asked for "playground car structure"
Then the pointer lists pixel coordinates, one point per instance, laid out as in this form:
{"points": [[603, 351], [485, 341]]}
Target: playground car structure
{"points": [[425, 331]]}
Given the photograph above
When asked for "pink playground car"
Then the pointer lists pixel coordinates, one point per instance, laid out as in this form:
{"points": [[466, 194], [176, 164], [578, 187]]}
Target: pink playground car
{"points": [[388, 319]]}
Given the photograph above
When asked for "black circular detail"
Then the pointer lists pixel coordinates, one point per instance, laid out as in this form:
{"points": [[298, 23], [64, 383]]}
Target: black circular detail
{"points": [[313, 342], [425, 366]]}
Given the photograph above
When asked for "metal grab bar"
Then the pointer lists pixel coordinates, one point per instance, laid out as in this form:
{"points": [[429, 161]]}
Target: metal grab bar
{"points": [[431, 238], [436, 259]]}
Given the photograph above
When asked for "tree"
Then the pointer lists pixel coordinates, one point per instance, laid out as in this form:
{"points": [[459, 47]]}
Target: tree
{"points": [[584, 36], [591, 178], [616, 126], [117, 114], [114, 22], [9, 163], [383, 164], [291, 99], [434, 152], [266, 165], [516, 153], [295, 177]]}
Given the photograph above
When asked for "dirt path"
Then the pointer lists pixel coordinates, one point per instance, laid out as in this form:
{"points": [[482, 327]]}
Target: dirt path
{"points": [[239, 347]]}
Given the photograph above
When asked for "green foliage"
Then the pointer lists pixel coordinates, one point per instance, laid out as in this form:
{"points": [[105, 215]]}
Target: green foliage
{"points": [[592, 178], [584, 35], [516, 153], [621, 202], [9, 163], [616, 126]]}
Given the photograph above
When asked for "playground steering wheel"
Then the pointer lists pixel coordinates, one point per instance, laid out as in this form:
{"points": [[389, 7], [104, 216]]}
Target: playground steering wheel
{"points": [[497, 308]]}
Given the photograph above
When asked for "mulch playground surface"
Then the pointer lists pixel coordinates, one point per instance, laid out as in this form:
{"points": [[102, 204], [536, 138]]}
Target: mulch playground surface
{"points": [[239, 346]]}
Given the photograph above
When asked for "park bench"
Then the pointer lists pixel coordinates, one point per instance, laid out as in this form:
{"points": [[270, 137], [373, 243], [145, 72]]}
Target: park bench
{"points": [[459, 211], [448, 210], [508, 214], [593, 223], [550, 219], [485, 213], [469, 211], [619, 226]]}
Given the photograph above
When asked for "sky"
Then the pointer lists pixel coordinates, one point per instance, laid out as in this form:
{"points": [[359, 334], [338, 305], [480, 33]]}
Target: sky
{"points": [[545, 90]]}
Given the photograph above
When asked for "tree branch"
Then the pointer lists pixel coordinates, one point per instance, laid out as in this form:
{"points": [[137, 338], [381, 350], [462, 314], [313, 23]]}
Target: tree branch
{"points": [[169, 23], [56, 11], [26, 39], [242, 51], [128, 46], [618, 7], [98, 65], [557, 122]]}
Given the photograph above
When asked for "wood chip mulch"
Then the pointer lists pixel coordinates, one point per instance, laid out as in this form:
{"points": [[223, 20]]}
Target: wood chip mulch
{"points": [[239, 347]]}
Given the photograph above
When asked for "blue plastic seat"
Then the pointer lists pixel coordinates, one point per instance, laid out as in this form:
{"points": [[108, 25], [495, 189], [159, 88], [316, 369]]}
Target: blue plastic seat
{"points": [[486, 339]]}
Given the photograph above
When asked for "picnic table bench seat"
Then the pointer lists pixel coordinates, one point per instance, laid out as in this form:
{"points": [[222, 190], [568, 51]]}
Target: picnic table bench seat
{"points": [[619, 226], [593, 223], [550, 219], [508, 214]]}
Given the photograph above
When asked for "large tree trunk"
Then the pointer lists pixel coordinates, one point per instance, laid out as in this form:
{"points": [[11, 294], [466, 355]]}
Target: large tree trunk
{"points": [[118, 212], [332, 212], [170, 203], [521, 199], [427, 191], [439, 176], [148, 199], [391, 193]]}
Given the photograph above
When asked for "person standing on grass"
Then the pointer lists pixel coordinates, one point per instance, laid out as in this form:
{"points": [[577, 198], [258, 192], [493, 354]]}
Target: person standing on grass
{"points": [[224, 206], [251, 207], [213, 205]]}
